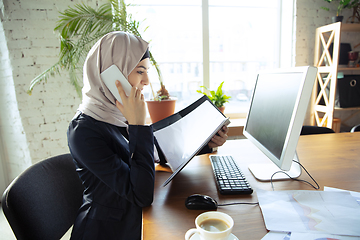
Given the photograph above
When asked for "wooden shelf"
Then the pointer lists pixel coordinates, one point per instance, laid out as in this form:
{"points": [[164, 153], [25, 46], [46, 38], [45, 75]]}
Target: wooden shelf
{"points": [[347, 109], [350, 27], [349, 69], [328, 68]]}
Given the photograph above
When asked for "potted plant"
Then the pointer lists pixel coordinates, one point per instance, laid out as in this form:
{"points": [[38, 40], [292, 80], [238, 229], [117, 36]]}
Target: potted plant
{"points": [[79, 29], [161, 106], [218, 98], [341, 4]]}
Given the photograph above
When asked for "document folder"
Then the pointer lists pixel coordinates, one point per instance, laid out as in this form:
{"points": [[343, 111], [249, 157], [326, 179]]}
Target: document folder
{"points": [[182, 135]]}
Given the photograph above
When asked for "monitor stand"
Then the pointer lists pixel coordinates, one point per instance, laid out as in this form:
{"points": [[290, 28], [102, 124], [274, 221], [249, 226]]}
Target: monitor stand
{"points": [[263, 172]]}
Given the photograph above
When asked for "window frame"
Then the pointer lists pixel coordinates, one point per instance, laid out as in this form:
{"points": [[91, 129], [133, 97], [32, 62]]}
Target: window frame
{"points": [[286, 40]]}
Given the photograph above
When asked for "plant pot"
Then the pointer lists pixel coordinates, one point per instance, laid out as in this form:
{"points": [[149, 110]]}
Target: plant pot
{"points": [[337, 19], [222, 109], [160, 110]]}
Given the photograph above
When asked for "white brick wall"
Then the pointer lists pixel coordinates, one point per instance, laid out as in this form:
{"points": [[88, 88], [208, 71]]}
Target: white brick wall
{"points": [[309, 16], [15, 156], [33, 47]]}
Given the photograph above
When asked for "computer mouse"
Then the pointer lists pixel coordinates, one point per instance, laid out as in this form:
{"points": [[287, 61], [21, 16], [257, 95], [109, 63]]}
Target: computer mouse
{"points": [[200, 202]]}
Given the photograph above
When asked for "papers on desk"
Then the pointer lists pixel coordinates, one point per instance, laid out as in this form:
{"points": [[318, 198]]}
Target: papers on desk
{"points": [[307, 236], [310, 214], [355, 195]]}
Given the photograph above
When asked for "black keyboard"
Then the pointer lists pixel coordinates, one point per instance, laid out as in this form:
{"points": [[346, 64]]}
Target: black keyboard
{"points": [[228, 176]]}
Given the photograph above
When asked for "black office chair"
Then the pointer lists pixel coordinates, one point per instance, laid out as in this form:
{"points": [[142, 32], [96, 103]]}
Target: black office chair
{"points": [[308, 130], [42, 202], [355, 128]]}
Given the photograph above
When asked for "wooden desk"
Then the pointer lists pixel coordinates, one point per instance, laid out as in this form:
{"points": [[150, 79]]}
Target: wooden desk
{"points": [[332, 159]]}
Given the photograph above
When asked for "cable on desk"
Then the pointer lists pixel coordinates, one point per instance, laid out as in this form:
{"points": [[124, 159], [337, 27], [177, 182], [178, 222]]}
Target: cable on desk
{"points": [[317, 187], [228, 204]]}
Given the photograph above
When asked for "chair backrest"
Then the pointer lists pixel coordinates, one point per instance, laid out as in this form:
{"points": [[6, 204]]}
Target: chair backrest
{"points": [[308, 130], [355, 128], [42, 202]]}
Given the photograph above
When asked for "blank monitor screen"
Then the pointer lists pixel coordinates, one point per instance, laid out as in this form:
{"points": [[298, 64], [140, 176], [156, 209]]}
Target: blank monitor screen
{"points": [[277, 110]]}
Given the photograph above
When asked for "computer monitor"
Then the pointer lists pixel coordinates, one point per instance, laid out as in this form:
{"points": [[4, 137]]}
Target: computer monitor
{"points": [[277, 110]]}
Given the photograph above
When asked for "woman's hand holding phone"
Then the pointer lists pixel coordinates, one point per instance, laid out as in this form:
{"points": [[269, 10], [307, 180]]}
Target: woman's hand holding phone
{"points": [[133, 106]]}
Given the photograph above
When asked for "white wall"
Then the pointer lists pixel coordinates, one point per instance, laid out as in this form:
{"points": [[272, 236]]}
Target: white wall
{"points": [[309, 16], [13, 144], [3, 174], [36, 125], [42, 118]]}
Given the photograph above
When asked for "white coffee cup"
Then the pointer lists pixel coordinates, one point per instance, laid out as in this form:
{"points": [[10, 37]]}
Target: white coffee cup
{"points": [[212, 225]]}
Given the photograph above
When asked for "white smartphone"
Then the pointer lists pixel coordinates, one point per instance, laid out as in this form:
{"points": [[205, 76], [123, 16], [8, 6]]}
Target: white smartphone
{"points": [[109, 77]]}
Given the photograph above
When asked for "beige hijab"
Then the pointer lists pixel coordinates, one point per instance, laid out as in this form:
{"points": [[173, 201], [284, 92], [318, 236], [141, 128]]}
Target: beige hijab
{"points": [[119, 48]]}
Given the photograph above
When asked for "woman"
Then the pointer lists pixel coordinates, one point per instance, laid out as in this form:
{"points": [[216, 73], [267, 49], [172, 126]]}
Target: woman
{"points": [[112, 148], [113, 151]]}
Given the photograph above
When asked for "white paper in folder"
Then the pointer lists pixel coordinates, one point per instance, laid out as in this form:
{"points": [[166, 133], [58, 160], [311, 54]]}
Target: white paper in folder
{"points": [[182, 139]]}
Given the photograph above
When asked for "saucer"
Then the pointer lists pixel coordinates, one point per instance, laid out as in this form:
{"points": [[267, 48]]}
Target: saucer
{"points": [[197, 237]]}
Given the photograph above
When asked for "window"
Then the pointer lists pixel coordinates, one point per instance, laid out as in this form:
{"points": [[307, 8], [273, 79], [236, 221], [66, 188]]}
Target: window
{"points": [[242, 38]]}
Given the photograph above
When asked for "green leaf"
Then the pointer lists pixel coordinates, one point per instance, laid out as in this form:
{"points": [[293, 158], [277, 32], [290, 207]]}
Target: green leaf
{"points": [[79, 27], [218, 98]]}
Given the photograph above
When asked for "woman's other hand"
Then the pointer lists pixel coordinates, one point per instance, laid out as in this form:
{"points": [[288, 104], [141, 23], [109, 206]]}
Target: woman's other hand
{"points": [[220, 138]]}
